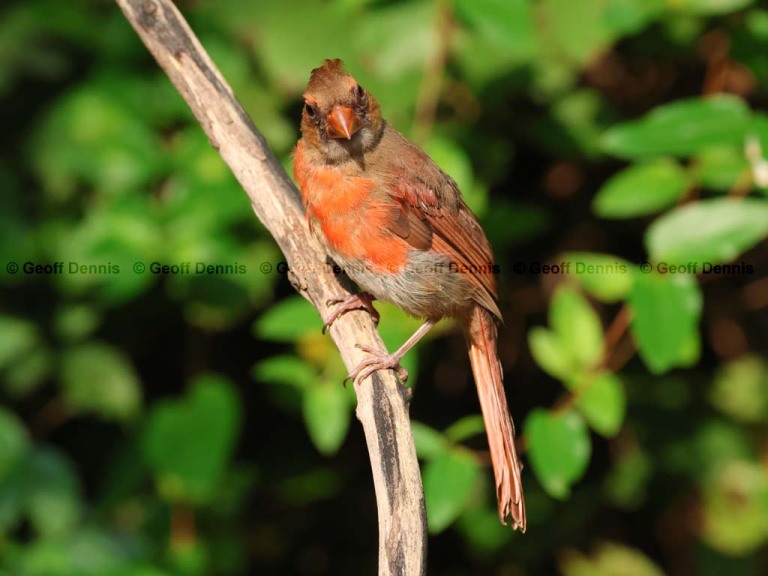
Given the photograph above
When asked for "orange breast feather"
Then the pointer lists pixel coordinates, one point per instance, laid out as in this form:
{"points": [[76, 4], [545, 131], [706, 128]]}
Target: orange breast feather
{"points": [[353, 215]]}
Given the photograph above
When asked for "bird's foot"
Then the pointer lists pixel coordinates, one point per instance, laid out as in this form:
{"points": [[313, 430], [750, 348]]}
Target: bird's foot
{"points": [[377, 360], [362, 301]]}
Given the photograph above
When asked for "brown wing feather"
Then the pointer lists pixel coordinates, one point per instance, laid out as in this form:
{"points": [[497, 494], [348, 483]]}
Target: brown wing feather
{"points": [[432, 208], [409, 223]]}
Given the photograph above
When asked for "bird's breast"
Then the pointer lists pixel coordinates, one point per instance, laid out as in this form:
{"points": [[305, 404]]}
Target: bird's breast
{"points": [[353, 216]]}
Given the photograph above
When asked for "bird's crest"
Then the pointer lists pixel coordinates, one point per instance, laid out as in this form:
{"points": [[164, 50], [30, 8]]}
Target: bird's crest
{"points": [[329, 78]]}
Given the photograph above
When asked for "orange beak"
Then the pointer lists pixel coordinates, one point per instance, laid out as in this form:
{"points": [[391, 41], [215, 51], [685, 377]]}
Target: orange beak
{"points": [[342, 122]]}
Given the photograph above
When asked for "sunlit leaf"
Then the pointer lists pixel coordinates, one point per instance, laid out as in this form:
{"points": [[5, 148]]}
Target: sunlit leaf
{"points": [[708, 232], [449, 480], [641, 189], [284, 369], [17, 336], [608, 560], [604, 276], [720, 168], [579, 43], [602, 401], [709, 7], [577, 326], [288, 320], [630, 16], [559, 449], [430, 443], [53, 493], [99, 379], [740, 389], [327, 410], [665, 316], [681, 128], [465, 428], [550, 353], [735, 509], [188, 442]]}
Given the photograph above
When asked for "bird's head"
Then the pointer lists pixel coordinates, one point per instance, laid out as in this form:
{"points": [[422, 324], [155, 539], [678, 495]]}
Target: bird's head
{"points": [[340, 119]]}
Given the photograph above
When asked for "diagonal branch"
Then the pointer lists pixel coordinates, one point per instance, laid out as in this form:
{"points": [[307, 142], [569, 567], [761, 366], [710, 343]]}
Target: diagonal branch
{"points": [[382, 403]]}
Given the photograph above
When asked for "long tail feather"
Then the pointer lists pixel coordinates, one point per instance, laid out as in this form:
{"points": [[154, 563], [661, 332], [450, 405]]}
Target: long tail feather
{"points": [[481, 335]]}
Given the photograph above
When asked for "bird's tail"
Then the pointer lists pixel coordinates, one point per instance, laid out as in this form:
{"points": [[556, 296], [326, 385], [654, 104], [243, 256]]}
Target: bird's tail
{"points": [[481, 335]]}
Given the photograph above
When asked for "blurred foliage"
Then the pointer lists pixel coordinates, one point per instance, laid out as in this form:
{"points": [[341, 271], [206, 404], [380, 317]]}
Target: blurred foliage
{"points": [[170, 407]]}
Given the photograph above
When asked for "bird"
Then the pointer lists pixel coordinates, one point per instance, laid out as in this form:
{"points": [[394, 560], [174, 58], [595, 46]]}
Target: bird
{"points": [[397, 225]]}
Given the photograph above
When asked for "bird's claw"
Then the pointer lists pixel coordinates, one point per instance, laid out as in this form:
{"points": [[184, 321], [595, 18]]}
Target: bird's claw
{"points": [[377, 360], [362, 301]]}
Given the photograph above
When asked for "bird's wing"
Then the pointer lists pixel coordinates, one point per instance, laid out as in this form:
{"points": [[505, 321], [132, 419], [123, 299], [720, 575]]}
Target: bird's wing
{"points": [[433, 216]]}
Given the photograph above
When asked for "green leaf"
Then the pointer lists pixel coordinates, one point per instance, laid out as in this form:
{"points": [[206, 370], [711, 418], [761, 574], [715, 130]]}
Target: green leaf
{"points": [[578, 117], [641, 189], [579, 43], [114, 234], [29, 372], [665, 316], [735, 511], [708, 232], [627, 482], [14, 441], [508, 25], [397, 39], [98, 378], [465, 428], [604, 276], [288, 320], [603, 402], [709, 7], [53, 494], [717, 443], [449, 481], [430, 443], [681, 128], [17, 336], [509, 22], [577, 326], [285, 369], [627, 17], [188, 442], [559, 449], [287, 62], [741, 389], [327, 409], [77, 321], [89, 136], [550, 353], [480, 526], [609, 559], [720, 168]]}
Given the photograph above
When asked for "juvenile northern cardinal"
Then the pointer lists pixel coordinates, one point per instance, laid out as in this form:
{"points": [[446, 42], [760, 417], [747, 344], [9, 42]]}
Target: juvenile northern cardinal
{"points": [[398, 226]]}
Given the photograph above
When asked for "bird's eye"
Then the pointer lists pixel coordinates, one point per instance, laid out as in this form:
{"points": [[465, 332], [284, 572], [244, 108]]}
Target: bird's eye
{"points": [[359, 92], [310, 110]]}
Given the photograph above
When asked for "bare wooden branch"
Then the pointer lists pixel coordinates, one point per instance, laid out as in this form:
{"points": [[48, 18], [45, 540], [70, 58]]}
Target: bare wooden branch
{"points": [[382, 402]]}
